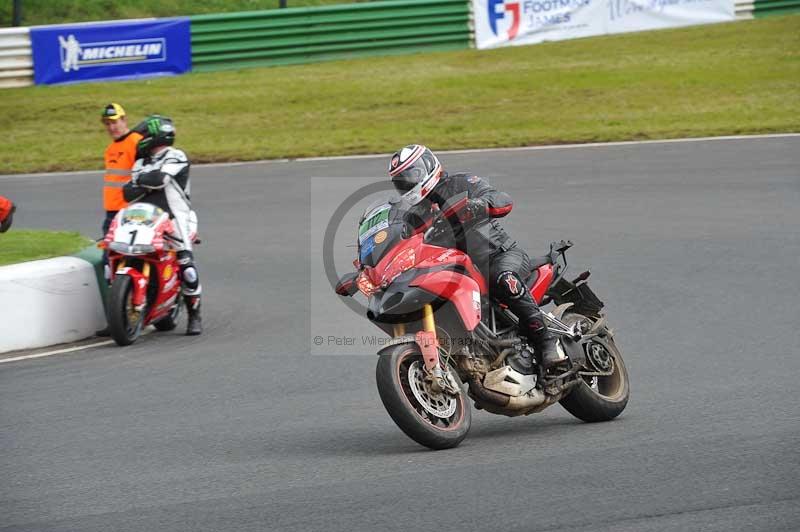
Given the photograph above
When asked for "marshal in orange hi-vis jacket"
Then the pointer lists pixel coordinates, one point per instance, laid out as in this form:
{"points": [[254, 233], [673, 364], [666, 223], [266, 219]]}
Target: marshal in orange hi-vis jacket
{"points": [[119, 157]]}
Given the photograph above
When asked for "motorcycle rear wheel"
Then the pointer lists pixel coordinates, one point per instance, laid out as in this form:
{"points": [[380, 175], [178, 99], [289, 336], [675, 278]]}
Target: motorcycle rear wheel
{"points": [[437, 421], [124, 323], [599, 398]]}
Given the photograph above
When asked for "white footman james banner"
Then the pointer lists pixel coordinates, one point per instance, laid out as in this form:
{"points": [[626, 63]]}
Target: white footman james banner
{"points": [[514, 22]]}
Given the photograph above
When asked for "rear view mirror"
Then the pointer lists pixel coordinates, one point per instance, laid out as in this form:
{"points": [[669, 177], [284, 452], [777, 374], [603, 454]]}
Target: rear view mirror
{"points": [[347, 284]]}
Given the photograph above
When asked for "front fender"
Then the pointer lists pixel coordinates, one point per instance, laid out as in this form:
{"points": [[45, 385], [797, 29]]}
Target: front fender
{"points": [[139, 282], [398, 340]]}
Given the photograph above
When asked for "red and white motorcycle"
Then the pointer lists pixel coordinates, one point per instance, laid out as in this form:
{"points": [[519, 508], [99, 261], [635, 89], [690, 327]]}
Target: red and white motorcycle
{"points": [[145, 276]]}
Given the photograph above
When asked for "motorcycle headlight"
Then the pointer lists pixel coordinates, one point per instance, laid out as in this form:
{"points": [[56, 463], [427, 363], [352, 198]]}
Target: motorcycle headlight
{"points": [[119, 247], [141, 249], [127, 249], [404, 260], [365, 285]]}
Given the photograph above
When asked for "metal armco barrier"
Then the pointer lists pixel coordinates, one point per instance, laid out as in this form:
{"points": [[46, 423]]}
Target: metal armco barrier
{"points": [[765, 8], [303, 35], [16, 63], [746, 9]]}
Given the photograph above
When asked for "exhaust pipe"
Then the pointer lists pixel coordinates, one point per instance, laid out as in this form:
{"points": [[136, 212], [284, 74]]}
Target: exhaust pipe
{"points": [[532, 399], [479, 392]]}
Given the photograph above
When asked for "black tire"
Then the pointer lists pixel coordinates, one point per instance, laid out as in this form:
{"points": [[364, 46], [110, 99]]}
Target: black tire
{"points": [[392, 376], [602, 399], [123, 332], [169, 322]]}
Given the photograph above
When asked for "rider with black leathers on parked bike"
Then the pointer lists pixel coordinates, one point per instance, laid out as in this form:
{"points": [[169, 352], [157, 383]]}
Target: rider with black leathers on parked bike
{"points": [[419, 176], [161, 176]]}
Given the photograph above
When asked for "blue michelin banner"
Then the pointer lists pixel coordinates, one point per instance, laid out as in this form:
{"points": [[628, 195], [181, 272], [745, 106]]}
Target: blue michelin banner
{"points": [[111, 50]]}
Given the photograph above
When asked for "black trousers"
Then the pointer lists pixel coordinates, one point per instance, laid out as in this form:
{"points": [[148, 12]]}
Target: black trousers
{"points": [[507, 271]]}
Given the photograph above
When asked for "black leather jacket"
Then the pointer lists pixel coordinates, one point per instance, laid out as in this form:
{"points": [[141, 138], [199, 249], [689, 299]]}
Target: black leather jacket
{"points": [[483, 237]]}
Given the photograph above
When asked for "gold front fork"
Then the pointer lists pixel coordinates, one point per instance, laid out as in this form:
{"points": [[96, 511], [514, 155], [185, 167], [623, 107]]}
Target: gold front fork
{"points": [[427, 319], [428, 323]]}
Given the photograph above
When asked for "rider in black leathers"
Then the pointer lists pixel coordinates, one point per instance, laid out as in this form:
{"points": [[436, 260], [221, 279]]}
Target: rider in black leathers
{"points": [[418, 175]]}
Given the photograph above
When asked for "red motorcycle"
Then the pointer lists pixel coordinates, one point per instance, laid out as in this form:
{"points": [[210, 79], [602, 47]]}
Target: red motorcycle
{"points": [[448, 331], [145, 276]]}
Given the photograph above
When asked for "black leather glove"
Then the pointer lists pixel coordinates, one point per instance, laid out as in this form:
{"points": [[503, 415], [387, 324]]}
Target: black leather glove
{"points": [[475, 209], [151, 179], [131, 192]]}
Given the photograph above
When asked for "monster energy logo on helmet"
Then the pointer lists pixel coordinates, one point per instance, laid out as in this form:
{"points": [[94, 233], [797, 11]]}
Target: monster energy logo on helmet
{"points": [[157, 131], [153, 125]]}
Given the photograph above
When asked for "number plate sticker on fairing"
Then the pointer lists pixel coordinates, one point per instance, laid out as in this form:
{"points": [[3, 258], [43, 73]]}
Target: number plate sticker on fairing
{"points": [[366, 248], [375, 221]]}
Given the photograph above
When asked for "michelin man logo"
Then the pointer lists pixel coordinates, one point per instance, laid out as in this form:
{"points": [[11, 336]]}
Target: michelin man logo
{"points": [[70, 52], [498, 10]]}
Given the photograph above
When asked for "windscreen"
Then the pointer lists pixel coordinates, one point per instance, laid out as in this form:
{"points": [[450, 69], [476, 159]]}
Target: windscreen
{"points": [[380, 229], [141, 214]]}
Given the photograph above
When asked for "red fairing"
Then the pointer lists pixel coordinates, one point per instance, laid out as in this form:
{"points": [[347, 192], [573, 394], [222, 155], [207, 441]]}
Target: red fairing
{"points": [[109, 237], [158, 237], [542, 283], [463, 290], [440, 256], [165, 226], [459, 289], [168, 285]]}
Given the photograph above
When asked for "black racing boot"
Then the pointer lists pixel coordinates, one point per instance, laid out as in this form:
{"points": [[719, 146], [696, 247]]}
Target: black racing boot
{"points": [[546, 347], [195, 323]]}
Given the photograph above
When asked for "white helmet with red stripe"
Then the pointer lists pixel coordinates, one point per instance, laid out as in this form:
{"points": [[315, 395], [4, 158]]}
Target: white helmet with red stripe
{"points": [[415, 171]]}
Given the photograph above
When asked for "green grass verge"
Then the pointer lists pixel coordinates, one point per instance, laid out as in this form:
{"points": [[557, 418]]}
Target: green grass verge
{"points": [[735, 78], [21, 245], [61, 11]]}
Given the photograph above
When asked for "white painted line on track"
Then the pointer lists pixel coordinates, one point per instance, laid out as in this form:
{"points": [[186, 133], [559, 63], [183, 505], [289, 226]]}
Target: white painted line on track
{"points": [[446, 152], [56, 352], [64, 350], [549, 147]]}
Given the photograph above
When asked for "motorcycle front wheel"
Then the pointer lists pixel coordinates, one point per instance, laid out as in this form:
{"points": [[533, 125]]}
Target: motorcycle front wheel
{"points": [[124, 322], [435, 420]]}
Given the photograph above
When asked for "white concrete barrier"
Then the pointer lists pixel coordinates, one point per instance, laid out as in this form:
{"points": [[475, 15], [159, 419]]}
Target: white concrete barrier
{"points": [[47, 302]]}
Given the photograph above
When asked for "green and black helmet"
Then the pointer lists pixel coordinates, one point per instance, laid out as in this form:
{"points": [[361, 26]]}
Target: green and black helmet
{"points": [[156, 130]]}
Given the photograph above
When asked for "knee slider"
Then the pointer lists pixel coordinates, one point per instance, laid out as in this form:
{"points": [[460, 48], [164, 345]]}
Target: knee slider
{"points": [[190, 277], [510, 285]]}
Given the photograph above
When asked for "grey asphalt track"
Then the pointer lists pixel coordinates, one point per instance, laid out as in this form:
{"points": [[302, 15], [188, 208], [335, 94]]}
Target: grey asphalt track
{"points": [[694, 247]]}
